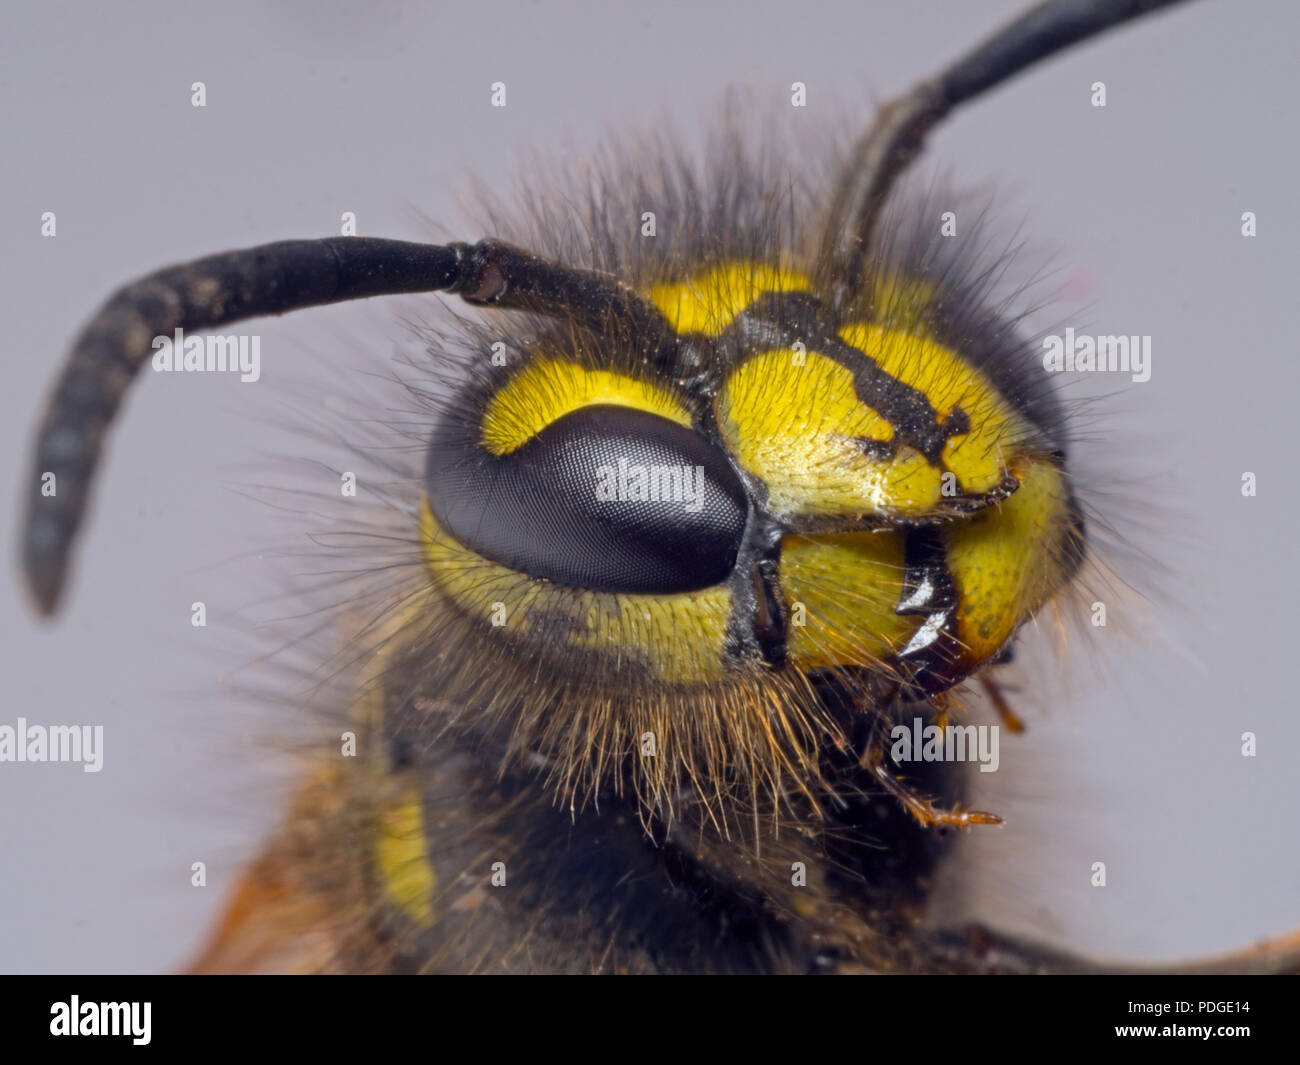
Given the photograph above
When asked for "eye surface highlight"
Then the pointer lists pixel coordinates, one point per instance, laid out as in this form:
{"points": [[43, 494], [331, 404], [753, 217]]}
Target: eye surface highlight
{"points": [[605, 498]]}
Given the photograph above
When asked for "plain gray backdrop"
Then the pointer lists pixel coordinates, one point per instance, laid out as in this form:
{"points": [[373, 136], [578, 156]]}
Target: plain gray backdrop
{"points": [[382, 109]]}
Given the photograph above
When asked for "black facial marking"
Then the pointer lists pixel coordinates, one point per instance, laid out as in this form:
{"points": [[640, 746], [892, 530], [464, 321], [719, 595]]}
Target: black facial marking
{"points": [[876, 450], [756, 629], [778, 319]]}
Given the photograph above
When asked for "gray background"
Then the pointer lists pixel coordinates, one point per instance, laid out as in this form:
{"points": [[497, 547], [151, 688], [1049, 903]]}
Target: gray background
{"points": [[1132, 757]]}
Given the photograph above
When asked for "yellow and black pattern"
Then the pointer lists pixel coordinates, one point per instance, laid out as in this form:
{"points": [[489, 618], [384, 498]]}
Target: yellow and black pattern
{"points": [[859, 498], [739, 460], [882, 502]]}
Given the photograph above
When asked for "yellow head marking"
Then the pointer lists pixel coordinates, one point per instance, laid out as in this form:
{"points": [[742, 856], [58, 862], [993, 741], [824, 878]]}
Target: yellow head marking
{"points": [[840, 593], [679, 638], [794, 420], [710, 302], [1006, 560], [546, 390], [978, 458]]}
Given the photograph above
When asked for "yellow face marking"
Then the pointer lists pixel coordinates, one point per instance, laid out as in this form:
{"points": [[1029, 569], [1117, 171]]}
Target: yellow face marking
{"points": [[678, 638], [840, 593], [710, 302], [546, 390], [793, 420], [978, 458], [402, 858], [1006, 561]]}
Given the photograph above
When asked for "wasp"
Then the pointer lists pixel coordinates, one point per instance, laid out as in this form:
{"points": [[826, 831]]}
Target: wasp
{"points": [[703, 513]]}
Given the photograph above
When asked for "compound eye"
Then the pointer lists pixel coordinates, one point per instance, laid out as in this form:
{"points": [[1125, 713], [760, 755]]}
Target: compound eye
{"points": [[606, 498]]}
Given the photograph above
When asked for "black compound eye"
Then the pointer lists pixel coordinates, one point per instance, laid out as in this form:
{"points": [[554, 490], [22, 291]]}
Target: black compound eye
{"points": [[606, 498]]}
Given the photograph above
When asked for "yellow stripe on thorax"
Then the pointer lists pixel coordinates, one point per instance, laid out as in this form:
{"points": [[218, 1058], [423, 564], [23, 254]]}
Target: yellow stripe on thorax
{"points": [[402, 857], [400, 845]]}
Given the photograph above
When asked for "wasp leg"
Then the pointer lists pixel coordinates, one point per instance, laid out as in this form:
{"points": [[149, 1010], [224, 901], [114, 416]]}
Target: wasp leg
{"points": [[920, 807], [1007, 716]]}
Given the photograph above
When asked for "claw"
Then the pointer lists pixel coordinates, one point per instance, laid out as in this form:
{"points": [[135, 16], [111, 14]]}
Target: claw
{"points": [[923, 809]]}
